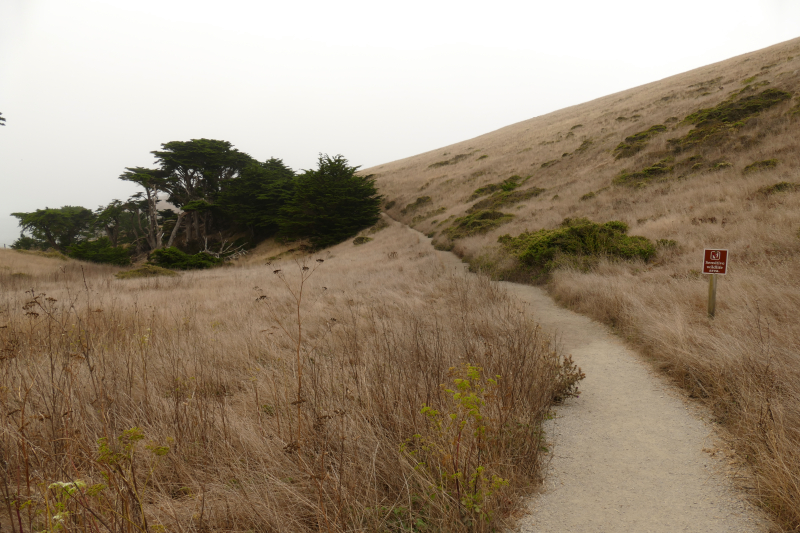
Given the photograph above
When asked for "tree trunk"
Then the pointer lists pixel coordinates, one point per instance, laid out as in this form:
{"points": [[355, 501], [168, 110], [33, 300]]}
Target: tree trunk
{"points": [[175, 229], [196, 225]]}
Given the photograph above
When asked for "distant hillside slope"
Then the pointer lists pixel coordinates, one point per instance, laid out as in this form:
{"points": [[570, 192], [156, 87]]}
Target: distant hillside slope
{"points": [[570, 154], [705, 159]]}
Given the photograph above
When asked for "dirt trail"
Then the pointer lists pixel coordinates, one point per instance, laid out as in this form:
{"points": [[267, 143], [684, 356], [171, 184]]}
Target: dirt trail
{"points": [[630, 454]]}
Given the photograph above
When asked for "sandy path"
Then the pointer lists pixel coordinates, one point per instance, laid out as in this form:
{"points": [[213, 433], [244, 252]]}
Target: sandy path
{"points": [[628, 454]]}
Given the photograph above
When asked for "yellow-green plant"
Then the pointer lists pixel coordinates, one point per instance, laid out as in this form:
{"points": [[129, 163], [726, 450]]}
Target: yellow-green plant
{"points": [[457, 445]]}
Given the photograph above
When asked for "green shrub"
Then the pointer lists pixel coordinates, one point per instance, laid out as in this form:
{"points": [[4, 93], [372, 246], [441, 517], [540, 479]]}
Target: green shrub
{"points": [[588, 196], [361, 239], [484, 156], [502, 198], [477, 222], [783, 186], [722, 165], [508, 184], [575, 241], [646, 175], [100, 251], [173, 258], [636, 142], [715, 122], [761, 165], [666, 243], [576, 126], [416, 204], [390, 204], [584, 145], [145, 271], [549, 163]]}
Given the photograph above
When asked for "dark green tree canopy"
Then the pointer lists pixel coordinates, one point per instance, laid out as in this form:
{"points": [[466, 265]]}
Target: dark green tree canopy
{"points": [[256, 197], [330, 203], [197, 168], [60, 228]]}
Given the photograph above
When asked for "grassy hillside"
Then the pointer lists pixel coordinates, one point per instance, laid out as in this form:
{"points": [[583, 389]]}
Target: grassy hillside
{"points": [[705, 159], [362, 389]]}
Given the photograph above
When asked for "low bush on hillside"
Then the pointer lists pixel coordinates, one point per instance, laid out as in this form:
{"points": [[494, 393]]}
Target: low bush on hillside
{"points": [[721, 165], [173, 258], [642, 177], [503, 198], [783, 186], [477, 222], [508, 184], [576, 242], [714, 123], [100, 251], [145, 271], [425, 216], [636, 142], [761, 165], [416, 204], [452, 161], [361, 239]]}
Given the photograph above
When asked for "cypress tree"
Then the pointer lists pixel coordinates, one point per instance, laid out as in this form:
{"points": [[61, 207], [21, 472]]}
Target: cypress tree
{"points": [[330, 203]]}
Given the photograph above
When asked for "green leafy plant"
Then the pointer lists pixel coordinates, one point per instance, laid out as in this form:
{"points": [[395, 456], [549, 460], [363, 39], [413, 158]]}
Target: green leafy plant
{"points": [[455, 446]]}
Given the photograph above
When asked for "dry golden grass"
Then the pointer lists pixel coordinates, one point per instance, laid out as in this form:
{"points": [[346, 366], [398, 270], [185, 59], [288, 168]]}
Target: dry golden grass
{"points": [[221, 400], [745, 362]]}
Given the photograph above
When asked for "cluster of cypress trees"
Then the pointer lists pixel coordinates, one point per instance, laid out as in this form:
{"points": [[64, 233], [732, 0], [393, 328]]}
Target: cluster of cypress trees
{"points": [[221, 192]]}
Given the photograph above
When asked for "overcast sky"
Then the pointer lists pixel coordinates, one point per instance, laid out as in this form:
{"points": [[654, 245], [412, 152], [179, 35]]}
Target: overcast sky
{"points": [[89, 87]]}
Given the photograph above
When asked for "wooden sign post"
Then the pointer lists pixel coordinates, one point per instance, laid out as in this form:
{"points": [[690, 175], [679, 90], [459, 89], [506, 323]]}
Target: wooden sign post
{"points": [[714, 262]]}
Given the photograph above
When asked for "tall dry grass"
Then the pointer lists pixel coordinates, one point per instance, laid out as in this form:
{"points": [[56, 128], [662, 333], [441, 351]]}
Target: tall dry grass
{"points": [[368, 391], [744, 363]]}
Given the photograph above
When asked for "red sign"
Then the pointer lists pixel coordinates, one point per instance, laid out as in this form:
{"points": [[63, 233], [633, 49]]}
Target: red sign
{"points": [[715, 261]]}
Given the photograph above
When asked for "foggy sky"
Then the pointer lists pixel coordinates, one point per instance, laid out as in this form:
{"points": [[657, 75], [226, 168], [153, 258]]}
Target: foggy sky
{"points": [[89, 87]]}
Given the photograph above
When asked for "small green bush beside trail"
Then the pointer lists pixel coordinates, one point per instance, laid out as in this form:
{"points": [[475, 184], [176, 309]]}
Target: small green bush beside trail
{"points": [[100, 251], [576, 240], [172, 258], [637, 141], [475, 223]]}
